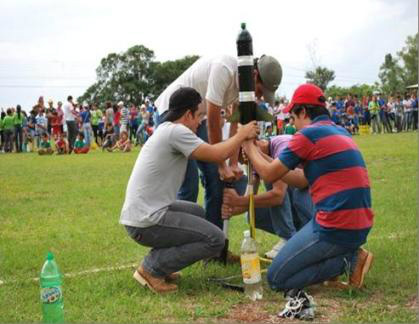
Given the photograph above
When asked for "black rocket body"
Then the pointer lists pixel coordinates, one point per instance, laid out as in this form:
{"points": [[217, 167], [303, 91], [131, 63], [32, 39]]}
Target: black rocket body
{"points": [[247, 104]]}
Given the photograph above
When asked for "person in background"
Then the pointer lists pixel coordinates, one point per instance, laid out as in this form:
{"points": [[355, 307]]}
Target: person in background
{"points": [[55, 125], [123, 144], [2, 116], [117, 120], [8, 128], [70, 119], [124, 116], [41, 125], [374, 108], [61, 144], [96, 118], [80, 146], [108, 137], [48, 113], [290, 128], [18, 124], [86, 126], [133, 122], [45, 145]]}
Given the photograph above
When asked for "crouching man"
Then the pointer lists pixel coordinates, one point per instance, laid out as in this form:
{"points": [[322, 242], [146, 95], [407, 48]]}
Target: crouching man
{"points": [[176, 230]]}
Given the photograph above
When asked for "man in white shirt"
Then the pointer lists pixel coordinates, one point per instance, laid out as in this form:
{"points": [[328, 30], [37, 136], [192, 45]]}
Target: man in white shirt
{"points": [[216, 80], [69, 117], [176, 230]]}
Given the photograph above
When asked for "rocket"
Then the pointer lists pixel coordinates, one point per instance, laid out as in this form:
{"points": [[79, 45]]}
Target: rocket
{"points": [[247, 104]]}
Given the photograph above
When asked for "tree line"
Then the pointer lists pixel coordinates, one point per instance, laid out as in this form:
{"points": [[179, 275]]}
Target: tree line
{"points": [[132, 75]]}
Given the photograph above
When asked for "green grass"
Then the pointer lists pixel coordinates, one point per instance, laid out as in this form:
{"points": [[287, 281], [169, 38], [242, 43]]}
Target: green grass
{"points": [[71, 204]]}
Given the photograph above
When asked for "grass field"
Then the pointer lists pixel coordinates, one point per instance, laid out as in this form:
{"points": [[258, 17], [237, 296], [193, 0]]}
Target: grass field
{"points": [[71, 204]]}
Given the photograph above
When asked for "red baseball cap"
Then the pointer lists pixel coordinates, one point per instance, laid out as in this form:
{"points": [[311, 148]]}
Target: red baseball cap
{"points": [[308, 94]]}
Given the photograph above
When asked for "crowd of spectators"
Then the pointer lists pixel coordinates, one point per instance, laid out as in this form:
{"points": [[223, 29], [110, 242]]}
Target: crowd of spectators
{"points": [[76, 127], [392, 114]]}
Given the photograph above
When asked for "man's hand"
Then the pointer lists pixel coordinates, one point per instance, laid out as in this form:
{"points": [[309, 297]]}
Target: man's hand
{"points": [[247, 145], [249, 131], [230, 197]]}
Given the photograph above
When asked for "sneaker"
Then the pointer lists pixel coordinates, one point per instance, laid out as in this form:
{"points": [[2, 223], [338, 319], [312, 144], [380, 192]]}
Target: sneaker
{"points": [[363, 265], [156, 284], [299, 305], [276, 248]]}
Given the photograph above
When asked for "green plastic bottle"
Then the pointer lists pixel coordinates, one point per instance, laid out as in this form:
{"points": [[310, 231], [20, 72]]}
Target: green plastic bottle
{"points": [[51, 292]]}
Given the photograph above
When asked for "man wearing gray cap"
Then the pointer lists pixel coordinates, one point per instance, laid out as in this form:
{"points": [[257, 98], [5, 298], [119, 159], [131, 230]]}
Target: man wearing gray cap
{"points": [[216, 80]]}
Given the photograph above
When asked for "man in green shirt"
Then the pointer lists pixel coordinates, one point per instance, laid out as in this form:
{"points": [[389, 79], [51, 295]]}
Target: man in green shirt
{"points": [[290, 128], [45, 145], [18, 125], [95, 115], [8, 127], [374, 109]]}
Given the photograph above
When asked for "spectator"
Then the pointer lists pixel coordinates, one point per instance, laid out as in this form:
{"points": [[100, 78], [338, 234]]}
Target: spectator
{"points": [[123, 144], [133, 122], [96, 117], [45, 145], [109, 137], [87, 127], [70, 120], [80, 146], [124, 116], [116, 121], [41, 125], [290, 127], [8, 128], [18, 123], [61, 144], [374, 109]]}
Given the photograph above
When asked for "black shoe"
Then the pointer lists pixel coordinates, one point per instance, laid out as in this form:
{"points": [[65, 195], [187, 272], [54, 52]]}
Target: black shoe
{"points": [[299, 305]]}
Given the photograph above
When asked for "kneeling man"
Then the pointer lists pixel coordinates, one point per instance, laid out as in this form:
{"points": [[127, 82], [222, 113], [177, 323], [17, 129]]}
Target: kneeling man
{"points": [[176, 230]]}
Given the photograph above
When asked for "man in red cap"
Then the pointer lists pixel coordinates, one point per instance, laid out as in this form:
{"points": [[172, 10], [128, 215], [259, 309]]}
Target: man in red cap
{"points": [[329, 245]]}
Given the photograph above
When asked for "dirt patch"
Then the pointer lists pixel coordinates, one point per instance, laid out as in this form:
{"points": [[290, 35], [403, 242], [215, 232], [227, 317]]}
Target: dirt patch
{"points": [[413, 303], [326, 311]]}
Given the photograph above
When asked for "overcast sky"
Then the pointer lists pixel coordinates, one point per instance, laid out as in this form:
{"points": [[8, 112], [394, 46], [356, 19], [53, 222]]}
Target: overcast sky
{"points": [[52, 48]]}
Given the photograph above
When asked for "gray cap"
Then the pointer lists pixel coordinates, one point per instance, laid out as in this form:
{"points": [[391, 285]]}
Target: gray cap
{"points": [[270, 72]]}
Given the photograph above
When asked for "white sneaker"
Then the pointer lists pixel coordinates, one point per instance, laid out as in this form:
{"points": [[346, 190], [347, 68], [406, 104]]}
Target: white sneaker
{"points": [[275, 249]]}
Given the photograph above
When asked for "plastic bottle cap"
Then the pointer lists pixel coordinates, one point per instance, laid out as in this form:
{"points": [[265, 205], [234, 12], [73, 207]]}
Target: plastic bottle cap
{"points": [[50, 256], [246, 233], [243, 25]]}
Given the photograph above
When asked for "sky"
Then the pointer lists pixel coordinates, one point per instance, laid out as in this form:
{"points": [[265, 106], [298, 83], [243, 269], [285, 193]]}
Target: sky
{"points": [[52, 48]]}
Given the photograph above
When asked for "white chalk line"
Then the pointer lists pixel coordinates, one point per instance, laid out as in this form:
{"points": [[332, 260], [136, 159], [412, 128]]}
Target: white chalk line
{"points": [[133, 265]]}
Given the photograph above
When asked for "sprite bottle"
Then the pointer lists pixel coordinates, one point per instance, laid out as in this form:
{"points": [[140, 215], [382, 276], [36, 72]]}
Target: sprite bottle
{"points": [[51, 292], [250, 265]]}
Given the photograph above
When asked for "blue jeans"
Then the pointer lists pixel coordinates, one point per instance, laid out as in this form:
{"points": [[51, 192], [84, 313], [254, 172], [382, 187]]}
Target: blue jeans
{"points": [[286, 219], [211, 182], [306, 260]]}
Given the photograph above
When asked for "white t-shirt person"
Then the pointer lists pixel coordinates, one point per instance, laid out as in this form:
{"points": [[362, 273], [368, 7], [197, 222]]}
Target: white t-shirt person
{"points": [[215, 78], [68, 110], [158, 174]]}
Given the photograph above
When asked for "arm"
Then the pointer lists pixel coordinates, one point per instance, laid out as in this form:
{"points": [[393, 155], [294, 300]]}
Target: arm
{"points": [[219, 152], [268, 171], [270, 198]]}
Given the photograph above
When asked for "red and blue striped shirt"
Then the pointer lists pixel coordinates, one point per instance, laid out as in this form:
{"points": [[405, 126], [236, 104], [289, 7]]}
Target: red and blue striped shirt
{"points": [[338, 181]]}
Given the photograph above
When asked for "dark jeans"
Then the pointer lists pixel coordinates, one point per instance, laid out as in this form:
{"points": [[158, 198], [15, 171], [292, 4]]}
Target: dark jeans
{"points": [[72, 133], [18, 138], [8, 140], [306, 260], [95, 129], [211, 182], [181, 238]]}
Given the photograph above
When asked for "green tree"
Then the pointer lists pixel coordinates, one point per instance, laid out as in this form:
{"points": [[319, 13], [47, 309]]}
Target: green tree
{"points": [[409, 56], [165, 73], [391, 76], [130, 76], [320, 76], [359, 90]]}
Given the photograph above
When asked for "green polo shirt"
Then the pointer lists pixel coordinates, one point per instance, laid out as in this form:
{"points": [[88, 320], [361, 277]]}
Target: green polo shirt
{"points": [[8, 122]]}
